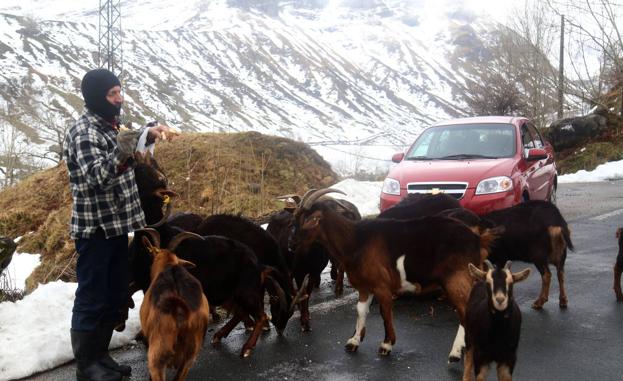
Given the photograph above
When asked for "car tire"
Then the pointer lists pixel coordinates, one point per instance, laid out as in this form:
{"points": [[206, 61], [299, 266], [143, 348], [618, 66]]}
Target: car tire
{"points": [[525, 198]]}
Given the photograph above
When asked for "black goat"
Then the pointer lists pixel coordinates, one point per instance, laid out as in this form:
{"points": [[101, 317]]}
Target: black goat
{"points": [[153, 188], [186, 221], [301, 262], [534, 232], [618, 267], [420, 205], [243, 230], [310, 260], [229, 273], [493, 322]]}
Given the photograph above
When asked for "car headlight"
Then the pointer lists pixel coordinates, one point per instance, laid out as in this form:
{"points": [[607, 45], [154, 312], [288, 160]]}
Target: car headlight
{"points": [[494, 185], [391, 186]]}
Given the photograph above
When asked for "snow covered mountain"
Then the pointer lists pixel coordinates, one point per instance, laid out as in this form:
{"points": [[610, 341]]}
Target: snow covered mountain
{"points": [[311, 70]]}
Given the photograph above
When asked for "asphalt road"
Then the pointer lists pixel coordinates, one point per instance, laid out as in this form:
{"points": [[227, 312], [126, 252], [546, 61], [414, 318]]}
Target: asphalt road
{"points": [[583, 342]]}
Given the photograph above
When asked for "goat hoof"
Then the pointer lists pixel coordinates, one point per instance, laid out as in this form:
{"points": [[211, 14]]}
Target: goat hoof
{"points": [[453, 358], [306, 328], [384, 350], [538, 304], [245, 353], [351, 347], [215, 341]]}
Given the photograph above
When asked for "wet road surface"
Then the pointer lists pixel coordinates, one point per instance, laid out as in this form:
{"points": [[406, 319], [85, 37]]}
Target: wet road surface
{"points": [[583, 342]]}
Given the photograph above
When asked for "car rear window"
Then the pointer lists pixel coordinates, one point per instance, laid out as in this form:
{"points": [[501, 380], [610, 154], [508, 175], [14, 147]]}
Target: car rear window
{"points": [[464, 141]]}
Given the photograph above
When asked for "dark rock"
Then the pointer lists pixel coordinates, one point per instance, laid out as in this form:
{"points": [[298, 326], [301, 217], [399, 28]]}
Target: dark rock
{"points": [[7, 248], [571, 132]]}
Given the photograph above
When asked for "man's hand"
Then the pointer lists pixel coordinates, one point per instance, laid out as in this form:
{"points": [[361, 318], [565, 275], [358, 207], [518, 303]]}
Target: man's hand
{"points": [[161, 132]]}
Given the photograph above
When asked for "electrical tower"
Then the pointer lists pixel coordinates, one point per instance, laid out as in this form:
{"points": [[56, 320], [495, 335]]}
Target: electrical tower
{"points": [[110, 55]]}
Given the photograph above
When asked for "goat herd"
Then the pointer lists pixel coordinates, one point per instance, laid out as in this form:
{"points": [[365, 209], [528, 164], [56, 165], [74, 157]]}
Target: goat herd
{"points": [[187, 265]]}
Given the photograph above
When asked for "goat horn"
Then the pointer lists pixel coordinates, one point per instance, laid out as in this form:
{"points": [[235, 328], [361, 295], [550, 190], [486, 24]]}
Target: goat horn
{"points": [[299, 293], [306, 204], [507, 266], [153, 233], [342, 204], [165, 217], [287, 196], [306, 196], [489, 265], [181, 237]]}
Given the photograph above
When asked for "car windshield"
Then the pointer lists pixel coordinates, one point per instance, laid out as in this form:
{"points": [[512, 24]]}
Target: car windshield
{"points": [[465, 141]]}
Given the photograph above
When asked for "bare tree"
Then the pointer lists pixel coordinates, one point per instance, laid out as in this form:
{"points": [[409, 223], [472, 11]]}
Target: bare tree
{"points": [[536, 30], [595, 31], [495, 94], [15, 158]]}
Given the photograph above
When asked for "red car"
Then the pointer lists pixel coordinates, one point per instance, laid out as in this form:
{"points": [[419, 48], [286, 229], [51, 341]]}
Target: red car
{"points": [[488, 163]]}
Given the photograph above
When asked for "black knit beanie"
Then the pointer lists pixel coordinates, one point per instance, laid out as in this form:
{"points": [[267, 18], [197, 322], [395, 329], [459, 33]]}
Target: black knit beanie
{"points": [[95, 85]]}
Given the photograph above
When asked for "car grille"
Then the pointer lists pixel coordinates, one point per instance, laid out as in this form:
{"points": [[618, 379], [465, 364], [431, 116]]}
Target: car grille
{"points": [[456, 190]]}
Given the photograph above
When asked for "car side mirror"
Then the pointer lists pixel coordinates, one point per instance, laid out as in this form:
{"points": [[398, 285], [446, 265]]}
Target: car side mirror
{"points": [[397, 157], [536, 154]]}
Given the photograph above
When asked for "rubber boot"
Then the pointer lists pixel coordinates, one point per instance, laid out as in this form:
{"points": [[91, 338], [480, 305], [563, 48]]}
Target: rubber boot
{"points": [[84, 346], [104, 336]]}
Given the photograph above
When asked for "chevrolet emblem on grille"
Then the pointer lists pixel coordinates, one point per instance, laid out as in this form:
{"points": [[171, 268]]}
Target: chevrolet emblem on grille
{"points": [[435, 191]]}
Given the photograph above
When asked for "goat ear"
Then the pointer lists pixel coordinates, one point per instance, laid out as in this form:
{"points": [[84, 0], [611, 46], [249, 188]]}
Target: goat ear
{"points": [[312, 221], [187, 264], [476, 273], [149, 246], [521, 275]]}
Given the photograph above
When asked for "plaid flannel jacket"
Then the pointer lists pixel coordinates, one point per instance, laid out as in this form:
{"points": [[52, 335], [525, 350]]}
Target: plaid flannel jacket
{"points": [[103, 188]]}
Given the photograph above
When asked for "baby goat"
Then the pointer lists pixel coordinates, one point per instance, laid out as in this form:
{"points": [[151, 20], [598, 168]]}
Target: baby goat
{"points": [[174, 314], [493, 322]]}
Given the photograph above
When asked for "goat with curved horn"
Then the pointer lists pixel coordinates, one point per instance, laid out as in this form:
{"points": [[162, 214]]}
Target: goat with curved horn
{"points": [[175, 241], [309, 200]]}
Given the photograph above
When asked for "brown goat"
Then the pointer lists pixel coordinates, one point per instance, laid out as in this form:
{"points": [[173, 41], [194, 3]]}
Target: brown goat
{"points": [[174, 314], [383, 257]]}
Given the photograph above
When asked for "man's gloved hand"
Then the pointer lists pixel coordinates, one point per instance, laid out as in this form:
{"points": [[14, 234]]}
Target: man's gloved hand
{"points": [[126, 142]]}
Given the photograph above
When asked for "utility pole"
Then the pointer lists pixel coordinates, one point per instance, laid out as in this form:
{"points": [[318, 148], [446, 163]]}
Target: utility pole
{"points": [[110, 55], [561, 66]]}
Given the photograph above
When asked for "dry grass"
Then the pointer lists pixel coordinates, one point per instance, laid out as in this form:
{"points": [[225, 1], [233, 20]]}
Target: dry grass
{"points": [[213, 173]]}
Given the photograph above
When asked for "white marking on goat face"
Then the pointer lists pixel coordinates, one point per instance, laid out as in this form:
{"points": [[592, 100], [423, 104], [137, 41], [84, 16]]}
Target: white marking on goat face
{"points": [[405, 285], [499, 282]]}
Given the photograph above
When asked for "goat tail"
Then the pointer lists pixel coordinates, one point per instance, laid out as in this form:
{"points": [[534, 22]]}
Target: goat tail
{"points": [[487, 236], [566, 233], [176, 306]]}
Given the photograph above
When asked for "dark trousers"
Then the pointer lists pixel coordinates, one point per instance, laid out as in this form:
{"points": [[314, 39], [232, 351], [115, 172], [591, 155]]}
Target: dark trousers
{"points": [[102, 272]]}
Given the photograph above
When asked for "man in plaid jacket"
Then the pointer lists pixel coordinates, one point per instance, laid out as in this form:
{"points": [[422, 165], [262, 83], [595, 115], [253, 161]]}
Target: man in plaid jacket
{"points": [[106, 207]]}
